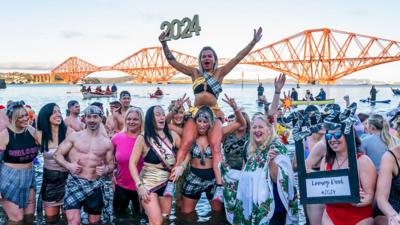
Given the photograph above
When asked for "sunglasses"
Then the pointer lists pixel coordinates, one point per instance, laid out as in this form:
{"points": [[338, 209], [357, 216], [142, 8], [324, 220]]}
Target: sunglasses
{"points": [[337, 135]]}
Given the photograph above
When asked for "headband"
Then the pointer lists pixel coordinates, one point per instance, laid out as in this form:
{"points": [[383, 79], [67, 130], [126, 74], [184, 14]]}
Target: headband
{"points": [[92, 109], [12, 106], [205, 113]]}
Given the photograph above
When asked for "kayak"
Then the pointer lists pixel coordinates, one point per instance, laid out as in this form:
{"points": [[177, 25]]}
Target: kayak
{"points": [[156, 96], [317, 102], [377, 101]]}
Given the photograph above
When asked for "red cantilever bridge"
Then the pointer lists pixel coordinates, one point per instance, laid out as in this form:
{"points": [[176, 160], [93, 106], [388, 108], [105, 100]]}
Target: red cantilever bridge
{"points": [[317, 55]]}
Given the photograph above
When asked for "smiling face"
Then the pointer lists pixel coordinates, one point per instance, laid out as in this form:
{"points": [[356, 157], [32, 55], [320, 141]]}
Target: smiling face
{"points": [[336, 140], [125, 101], [260, 131], [159, 118], [93, 121], [20, 118], [207, 59], [178, 117], [55, 117], [133, 122]]}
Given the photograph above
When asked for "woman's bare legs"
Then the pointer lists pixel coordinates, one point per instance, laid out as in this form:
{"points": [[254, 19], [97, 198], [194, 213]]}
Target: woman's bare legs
{"points": [[154, 209], [215, 140], [188, 137]]}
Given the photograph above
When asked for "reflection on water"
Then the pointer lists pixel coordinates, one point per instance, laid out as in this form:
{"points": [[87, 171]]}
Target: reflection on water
{"points": [[38, 95]]}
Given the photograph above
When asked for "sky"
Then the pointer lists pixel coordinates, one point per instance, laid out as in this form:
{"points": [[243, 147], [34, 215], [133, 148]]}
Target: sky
{"points": [[38, 35]]}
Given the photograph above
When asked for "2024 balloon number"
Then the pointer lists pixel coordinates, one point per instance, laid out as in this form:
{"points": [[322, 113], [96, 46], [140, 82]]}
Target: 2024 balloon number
{"points": [[181, 28]]}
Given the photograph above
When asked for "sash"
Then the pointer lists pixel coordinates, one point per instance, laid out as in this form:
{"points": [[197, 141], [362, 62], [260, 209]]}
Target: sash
{"points": [[164, 153]]}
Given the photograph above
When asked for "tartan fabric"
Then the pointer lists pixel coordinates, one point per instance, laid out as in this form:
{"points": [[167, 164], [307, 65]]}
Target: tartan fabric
{"points": [[78, 189], [15, 184], [195, 184], [213, 83]]}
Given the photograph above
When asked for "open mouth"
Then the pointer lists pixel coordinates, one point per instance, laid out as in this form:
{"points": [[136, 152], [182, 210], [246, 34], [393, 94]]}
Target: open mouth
{"points": [[207, 63], [258, 134]]}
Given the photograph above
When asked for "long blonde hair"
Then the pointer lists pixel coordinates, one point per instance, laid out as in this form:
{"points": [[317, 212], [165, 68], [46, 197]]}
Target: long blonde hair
{"points": [[251, 149], [382, 125], [139, 112]]}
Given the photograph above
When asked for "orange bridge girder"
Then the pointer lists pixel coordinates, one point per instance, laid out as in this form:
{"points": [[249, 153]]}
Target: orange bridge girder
{"points": [[324, 55], [150, 65], [317, 55]]}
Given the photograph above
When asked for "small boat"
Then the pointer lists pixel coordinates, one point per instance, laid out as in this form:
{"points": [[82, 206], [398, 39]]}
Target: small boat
{"points": [[156, 96], [316, 102], [87, 95], [396, 91], [387, 101]]}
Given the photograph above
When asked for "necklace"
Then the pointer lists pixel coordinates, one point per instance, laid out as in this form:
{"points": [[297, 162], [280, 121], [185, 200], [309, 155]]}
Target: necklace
{"points": [[339, 165]]}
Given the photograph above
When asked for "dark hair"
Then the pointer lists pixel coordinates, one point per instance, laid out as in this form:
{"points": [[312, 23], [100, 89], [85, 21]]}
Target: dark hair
{"points": [[149, 128], [69, 105], [362, 116], [44, 125], [331, 155], [123, 93]]}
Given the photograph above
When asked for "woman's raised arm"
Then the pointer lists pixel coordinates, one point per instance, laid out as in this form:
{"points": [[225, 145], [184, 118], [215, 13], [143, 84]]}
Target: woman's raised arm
{"points": [[224, 70], [190, 71]]}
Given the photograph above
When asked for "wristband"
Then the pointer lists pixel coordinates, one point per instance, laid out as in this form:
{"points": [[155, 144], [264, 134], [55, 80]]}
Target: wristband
{"points": [[277, 92]]}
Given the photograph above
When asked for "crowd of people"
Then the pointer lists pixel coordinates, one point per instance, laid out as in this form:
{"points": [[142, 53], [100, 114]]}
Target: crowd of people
{"points": [[242, 165]]}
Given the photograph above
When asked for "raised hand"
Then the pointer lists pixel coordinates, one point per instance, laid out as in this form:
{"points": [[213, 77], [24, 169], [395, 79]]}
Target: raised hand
{"points": [[180, 101], [162, 37], [279, 82], [231, 102], [257, 34]]}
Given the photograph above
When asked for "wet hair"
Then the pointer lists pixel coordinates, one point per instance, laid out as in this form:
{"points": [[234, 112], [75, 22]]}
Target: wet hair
{"points": [[363, 117], [137, 110], [124, 93], [149, 128], [44, 125], [206, 48], [382, 125]]}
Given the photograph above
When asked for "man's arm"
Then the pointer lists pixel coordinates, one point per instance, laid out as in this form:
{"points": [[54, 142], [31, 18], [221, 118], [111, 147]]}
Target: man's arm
{"points": [[63, 149], [110, 159]]}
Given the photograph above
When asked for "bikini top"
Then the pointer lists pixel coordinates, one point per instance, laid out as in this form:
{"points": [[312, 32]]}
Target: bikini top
{"points": [[163, 150], [152, 156], [202, 155], [212, 85]]}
